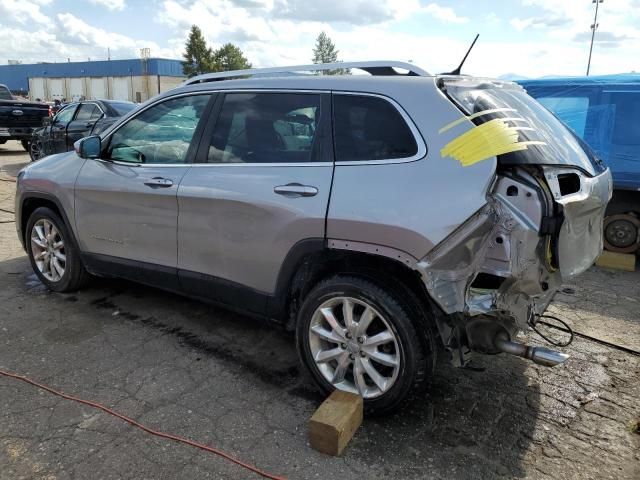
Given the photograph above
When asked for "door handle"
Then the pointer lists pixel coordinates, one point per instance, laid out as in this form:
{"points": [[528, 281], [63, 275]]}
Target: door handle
{"points": [[159, 182], [89, 124], [296, 190]]}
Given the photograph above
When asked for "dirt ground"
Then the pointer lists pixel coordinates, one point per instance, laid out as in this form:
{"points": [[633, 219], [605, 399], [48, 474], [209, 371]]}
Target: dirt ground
{"points": [[232, 382]]}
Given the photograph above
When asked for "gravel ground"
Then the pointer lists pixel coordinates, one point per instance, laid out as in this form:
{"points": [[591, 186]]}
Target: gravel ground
{"points": [[232, 382]]}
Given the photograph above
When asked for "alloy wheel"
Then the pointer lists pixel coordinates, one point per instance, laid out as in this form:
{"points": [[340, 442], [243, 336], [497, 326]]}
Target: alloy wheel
{"points": [[354, 347], [36, 150], [48, 250]]}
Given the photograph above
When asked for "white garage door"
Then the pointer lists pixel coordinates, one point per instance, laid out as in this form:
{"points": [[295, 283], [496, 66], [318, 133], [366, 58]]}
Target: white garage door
{"points": [[98, 88], [120, 88], [56, 89], [76, 90], [36, 88]]}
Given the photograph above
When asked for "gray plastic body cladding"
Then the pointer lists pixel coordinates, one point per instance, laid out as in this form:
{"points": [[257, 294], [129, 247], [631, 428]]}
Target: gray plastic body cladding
{"points": [[233, 226], [410, 206]]}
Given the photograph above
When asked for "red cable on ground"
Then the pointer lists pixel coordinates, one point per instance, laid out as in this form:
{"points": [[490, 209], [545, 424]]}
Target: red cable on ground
{"points": [[142, 427]]}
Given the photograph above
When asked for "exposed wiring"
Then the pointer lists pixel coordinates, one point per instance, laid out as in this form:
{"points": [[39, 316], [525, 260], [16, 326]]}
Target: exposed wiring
{"points": [[142, 427], [555, 343], [594, 339]]}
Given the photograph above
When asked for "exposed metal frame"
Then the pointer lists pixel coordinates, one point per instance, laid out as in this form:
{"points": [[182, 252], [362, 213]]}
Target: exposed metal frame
{"points": [[376, 68]]}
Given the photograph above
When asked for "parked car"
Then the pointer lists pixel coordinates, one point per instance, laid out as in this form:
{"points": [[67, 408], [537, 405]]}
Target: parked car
{"points": [[605, 112], [18, 118], [73, 122], [376, 216]]}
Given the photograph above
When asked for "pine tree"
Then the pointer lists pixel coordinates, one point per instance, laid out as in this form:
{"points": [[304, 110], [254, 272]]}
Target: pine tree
{"points": [[325, 52], [198, 58], [230, 57]]}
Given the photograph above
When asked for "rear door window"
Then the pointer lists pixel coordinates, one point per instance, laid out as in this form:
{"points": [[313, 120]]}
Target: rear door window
{"points": [[88, 111], [266, 128], [370, 128]]}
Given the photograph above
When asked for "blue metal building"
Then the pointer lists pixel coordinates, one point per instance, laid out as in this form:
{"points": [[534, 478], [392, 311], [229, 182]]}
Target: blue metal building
{"points": [[16, 77]]}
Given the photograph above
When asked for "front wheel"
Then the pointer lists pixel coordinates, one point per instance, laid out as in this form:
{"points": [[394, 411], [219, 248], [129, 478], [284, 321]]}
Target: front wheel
{"points": [[354, 336], [53, 254]]}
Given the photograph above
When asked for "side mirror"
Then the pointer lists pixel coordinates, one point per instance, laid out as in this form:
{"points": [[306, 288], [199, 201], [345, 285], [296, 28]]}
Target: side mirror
{"points": [[88, 147]]}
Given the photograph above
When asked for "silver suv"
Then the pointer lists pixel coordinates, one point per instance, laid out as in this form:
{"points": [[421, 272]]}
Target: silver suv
{"points": [[375, 215]]}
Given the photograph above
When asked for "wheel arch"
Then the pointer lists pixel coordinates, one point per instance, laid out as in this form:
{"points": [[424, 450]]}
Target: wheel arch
{"points": [[34, 200], [312, 262]]}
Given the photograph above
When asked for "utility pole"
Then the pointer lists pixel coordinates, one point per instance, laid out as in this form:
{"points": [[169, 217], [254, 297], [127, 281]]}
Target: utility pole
{"points": [[594, 27]]}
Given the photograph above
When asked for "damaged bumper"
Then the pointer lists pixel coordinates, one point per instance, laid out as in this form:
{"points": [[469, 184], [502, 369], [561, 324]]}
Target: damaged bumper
{"points": [[500, 270]]}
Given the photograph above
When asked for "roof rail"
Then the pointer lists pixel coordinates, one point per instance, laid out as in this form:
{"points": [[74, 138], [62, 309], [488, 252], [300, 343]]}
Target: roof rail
{"points": [[373, 68]]}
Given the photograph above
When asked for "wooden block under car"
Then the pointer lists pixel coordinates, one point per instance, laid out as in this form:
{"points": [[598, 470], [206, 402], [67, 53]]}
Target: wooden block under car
{"points": [[335, 421], [618, 261]]}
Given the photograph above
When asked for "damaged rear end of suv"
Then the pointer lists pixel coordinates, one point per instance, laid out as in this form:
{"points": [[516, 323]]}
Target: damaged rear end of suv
{"points": [[541, 225]]}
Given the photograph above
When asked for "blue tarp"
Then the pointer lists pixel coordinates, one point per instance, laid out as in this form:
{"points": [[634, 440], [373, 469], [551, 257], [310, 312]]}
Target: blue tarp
{"points": [[602, 110]]}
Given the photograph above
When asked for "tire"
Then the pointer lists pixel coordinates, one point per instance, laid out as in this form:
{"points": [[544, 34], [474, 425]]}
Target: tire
{"points": [[406, 360], [622, 233], [25, 145], [44, 250], [35, 150]]}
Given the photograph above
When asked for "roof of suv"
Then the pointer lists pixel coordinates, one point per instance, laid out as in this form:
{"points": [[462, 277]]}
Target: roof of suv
{"points": [[380, 76], [361, 83]]}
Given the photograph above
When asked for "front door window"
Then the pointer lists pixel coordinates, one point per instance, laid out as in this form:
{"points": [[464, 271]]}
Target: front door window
{"points": [[161, 134]]}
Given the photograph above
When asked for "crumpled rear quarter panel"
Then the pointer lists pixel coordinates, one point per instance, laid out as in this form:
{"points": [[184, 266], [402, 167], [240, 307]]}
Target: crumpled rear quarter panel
{"points": [[410, 206]]}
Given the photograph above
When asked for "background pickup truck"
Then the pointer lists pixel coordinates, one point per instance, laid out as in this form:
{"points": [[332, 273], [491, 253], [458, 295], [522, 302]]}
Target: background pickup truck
{"points": [[18, 118]]}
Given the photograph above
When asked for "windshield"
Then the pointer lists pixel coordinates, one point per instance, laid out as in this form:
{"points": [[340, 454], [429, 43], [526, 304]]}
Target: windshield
{"points": [[5, 94], [547, 139], [122, 108]]}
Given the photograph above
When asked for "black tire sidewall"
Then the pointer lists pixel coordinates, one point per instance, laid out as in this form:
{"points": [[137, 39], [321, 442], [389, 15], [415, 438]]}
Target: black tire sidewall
{"points": [[411, 351], [31, 155], [72, 265]]}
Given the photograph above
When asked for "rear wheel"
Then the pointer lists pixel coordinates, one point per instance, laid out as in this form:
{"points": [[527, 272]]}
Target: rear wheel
{"points": [[622, 233], [354, 336], [25, 145], [53, 254]]}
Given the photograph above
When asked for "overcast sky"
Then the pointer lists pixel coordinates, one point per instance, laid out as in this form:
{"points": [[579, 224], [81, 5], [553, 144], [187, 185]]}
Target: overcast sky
{"points": [[527, 37]]}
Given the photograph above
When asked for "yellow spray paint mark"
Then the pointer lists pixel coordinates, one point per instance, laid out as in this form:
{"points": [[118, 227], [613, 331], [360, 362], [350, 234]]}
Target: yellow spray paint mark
{"points": [[495, 137], [449, 126]]}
